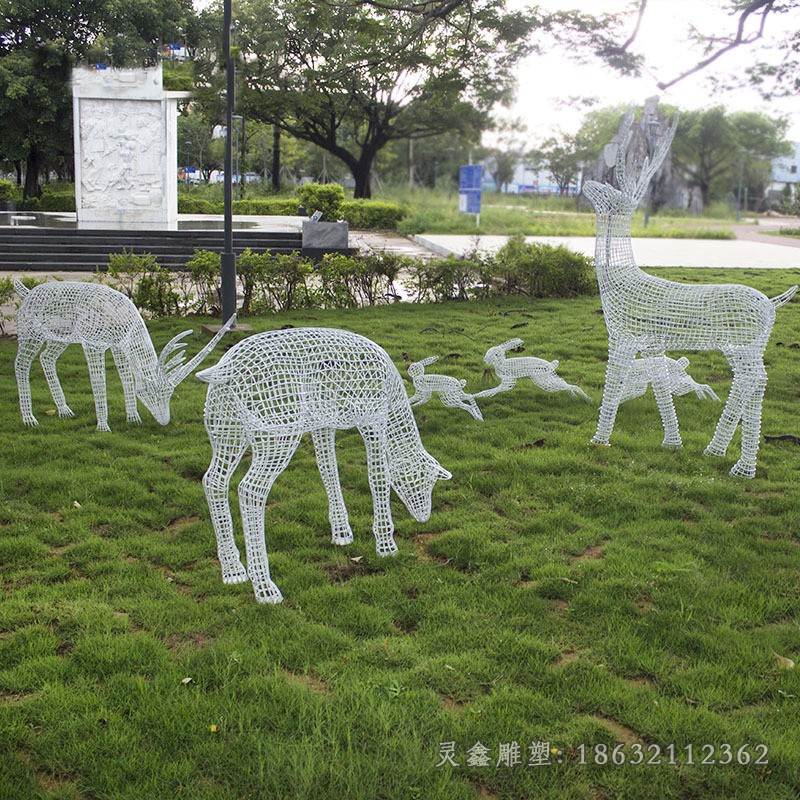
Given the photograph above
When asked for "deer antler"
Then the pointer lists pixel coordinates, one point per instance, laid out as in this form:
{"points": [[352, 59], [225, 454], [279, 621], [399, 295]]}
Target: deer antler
{"points": [[178, 372]]}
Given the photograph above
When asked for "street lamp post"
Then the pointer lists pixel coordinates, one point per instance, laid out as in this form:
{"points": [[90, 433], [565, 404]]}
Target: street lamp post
{"points": [[237, 127], [228, 257]]}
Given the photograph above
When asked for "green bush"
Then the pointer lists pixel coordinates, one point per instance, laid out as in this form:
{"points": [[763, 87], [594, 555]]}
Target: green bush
{"points": [[205, 293], [324, 197], [197, 205], [448, 278], [372, 214], [7, 192], [541, 270], [149, 285], [278, 206], [274, 281]]}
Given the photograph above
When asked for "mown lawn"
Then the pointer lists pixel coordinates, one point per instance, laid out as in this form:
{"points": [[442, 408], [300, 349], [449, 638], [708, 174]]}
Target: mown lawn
{"points": [[562, 599]]}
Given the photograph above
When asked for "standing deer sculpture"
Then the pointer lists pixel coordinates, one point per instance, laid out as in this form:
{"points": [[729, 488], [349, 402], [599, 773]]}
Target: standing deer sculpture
{"points": [[269, 390], [98, 318], [649, 315], [450, 390], [540, 372]]}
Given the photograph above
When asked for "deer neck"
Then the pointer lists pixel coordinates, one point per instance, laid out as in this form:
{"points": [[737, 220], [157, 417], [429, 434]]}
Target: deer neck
{"points": [[613, 255]]}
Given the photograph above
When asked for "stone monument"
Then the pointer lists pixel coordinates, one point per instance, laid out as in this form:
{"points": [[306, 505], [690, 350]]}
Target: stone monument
{"points": [[125, 129]]}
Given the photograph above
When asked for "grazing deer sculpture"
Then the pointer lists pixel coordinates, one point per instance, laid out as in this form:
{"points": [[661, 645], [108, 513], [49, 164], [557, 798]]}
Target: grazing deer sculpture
{"points": [[680, 382], [649, 315], [270, 389], [98, 318], [450, 390], [539, 371]]}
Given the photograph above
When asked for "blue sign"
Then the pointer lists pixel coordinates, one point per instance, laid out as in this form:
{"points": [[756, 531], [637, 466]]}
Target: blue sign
{"points": [[469, 188]]}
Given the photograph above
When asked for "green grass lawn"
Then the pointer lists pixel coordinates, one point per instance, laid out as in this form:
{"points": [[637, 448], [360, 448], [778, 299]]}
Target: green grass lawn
{"points": [[562, 597]]}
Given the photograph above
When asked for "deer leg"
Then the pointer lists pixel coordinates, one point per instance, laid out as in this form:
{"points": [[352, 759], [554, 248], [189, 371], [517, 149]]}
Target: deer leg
{"points": [[48, 358], [465, 401], [97, 377], [732, 412], [325, 449], [756, 378], [666, 407], [620, 360], [26, 352], [271, 454], [128, 385], [226, 455], [380, 485]]}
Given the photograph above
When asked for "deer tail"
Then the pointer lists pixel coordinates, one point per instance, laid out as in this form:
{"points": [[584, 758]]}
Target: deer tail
{"points": [[778, 301], [21, 289]]}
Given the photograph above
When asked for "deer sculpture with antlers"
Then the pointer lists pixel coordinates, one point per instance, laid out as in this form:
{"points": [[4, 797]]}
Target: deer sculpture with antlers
{"points": [[98, 318], [650, 315]]}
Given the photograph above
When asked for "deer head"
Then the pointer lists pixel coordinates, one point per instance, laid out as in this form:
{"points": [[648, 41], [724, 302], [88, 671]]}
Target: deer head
{"points": [[155, 391], [632, 174]]}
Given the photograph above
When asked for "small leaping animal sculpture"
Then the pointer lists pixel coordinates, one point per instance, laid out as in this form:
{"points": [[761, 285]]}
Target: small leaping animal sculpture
{"points": [[98, 318], [680, 382], [450, 390], [539, 371], [269, 390]]}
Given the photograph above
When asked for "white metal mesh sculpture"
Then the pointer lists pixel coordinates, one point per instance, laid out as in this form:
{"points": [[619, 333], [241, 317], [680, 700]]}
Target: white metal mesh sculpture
{"points": [[450, 390], [98, 318], [649, 315], [510, 370], [680, 382], [270, 389]]}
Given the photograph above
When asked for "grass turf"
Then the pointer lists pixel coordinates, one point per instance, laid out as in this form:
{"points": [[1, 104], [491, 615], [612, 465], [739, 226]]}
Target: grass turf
{"points": [[589, 598]]}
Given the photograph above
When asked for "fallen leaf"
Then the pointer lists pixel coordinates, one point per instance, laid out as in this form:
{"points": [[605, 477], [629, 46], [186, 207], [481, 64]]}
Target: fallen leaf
{"points": [[214, 728], [186, 680], [76, 504], [51, 412], [356, 559], [783, 662]]}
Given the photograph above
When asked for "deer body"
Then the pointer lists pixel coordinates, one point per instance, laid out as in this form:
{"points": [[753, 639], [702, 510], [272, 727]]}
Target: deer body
{"points": [[540, 372], [648, 315], [450, 390], [98, 318], [269, 390]]}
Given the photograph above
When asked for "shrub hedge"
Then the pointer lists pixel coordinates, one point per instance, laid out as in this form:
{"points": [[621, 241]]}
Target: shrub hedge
{"points": [[270, 282]]}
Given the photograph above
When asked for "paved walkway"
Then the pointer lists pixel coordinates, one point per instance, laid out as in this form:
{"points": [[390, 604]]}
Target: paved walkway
{"points": [[753, 248]]}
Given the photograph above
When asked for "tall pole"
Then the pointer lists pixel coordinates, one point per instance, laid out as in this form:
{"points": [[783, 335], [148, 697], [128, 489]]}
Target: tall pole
{"points": [[228, 260], [739, 192]]}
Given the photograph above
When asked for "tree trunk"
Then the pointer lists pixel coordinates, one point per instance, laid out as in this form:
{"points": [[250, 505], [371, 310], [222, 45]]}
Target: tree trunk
{"points": [[18, 168], [276, 158], [32, 169], [363, 187]]}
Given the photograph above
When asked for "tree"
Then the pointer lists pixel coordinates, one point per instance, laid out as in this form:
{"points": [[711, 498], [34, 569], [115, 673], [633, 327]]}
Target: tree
{"points": [[564, 157], [709, 144], [40, 42], [352, 78]]}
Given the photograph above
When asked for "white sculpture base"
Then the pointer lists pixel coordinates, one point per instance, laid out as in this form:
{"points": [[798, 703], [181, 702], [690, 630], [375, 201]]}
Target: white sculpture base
{"points": [[125, 131]]}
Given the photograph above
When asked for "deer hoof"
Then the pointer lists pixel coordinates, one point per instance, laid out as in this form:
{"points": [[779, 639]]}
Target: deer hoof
{"points": [[66, 412], [30, 421], [268, 592], [103, 426], [234, 573], [342, 537], [135, 420], [598, 441], [387, 547], [714, 451], [741, 470], [672, 444]]}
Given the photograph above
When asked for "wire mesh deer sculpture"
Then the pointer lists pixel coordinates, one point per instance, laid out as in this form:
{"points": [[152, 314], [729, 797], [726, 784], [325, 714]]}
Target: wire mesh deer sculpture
{"points": [[98, 318], [450, 390], [649, 315], [540, 372], [269, 390]]}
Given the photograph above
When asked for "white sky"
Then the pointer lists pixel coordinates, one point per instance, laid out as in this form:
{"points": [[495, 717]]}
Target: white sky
{"points": [[545, 80]]}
